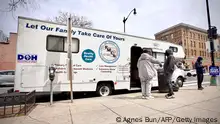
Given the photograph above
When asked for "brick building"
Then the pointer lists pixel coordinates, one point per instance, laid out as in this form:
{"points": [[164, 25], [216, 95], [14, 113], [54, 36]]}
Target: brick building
{"points": [[193, 39], [8, 53]]}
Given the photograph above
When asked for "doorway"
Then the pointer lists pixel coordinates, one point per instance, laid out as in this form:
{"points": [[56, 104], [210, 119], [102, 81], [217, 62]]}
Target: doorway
{"points": [[134, 78]]}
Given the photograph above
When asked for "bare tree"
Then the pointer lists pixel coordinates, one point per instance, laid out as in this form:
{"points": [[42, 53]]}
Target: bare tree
{"points": [[13, 5], [3, 36], [79, 21]]}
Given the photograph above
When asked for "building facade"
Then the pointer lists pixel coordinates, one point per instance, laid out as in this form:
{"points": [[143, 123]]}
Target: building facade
{"points": [[193, 40], [8, 53]]}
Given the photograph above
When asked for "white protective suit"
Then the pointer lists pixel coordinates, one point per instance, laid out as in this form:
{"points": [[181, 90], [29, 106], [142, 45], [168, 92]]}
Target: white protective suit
{"points": [[146, 72]]}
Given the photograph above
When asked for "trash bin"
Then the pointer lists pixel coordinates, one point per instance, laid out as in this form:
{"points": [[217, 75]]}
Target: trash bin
{"points": [[162, 84]]}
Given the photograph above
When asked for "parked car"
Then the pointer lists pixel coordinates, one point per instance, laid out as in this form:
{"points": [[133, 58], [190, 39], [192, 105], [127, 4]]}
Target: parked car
{"points": [[190, 73], [7, 77]]}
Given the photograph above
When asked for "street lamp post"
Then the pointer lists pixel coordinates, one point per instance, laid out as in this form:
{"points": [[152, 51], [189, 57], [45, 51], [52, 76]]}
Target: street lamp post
{"points": [[125, 19], [212, 34]]}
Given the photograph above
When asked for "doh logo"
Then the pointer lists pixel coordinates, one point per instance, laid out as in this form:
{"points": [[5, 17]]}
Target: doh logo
{"points": [[27, 58], [109, 52]]}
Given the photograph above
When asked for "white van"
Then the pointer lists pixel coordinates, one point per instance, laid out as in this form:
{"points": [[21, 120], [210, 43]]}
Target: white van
{"points": [[103, 61]]}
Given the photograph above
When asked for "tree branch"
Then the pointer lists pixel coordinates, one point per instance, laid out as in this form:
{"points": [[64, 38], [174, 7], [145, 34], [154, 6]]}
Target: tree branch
{"points": [[13, 5], [79, 21]]}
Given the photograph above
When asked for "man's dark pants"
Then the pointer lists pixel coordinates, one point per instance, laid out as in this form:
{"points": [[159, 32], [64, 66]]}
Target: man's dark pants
{"points": [[169, 84], [199, 80]]}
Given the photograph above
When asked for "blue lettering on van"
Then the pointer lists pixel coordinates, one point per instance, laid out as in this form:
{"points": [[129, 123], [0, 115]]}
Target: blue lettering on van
{"points": [[27, 58], [74, 32]]}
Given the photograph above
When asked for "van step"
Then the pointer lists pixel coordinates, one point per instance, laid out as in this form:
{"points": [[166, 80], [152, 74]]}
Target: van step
{"points": [[135, 88]]}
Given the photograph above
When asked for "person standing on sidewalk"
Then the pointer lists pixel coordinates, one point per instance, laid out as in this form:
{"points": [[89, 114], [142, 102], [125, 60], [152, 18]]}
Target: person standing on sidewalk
{"points": [[169, 67], [147, 72], [199, 72]]}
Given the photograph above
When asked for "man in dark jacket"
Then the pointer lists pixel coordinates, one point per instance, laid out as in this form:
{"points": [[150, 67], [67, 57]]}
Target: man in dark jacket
{"points": [[169, 67], [199, 72]]}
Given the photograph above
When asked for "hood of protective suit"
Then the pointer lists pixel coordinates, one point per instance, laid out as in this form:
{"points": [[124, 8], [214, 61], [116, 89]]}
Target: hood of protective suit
{"points": [[168, 52], [145, 67], [199, 59], [144, 56]]}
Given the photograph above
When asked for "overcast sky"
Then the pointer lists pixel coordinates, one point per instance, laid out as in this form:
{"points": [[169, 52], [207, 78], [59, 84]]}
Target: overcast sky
{"points": [[152, 15]]}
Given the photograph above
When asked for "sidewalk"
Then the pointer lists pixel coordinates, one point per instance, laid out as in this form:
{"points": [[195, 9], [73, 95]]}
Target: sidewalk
{"points": [[188, 104]]}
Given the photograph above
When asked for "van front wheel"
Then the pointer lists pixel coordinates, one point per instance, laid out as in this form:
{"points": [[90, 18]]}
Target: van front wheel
{"points": [[179, 81], [104, 89]]}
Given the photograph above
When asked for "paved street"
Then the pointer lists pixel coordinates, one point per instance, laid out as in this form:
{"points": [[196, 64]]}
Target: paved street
{"points": [[193, 80], [189, 81]]}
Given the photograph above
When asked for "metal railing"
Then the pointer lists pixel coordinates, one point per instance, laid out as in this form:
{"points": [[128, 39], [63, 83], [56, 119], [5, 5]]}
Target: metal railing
{"points": [[13, 104]]}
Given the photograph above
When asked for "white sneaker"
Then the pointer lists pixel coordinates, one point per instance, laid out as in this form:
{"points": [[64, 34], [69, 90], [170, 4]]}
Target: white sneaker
{"points": [[143, 97], [149, 97]]}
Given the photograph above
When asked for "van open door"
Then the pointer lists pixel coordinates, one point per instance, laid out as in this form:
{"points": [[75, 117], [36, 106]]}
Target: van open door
{"points": [[136, 52]]}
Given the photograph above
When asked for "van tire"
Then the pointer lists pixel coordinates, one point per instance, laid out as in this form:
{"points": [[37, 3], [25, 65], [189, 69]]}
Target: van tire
{"points": [[179, 81], [104, 89], [189, 74]]}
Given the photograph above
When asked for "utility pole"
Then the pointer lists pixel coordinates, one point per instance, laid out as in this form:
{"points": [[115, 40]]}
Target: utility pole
{"points": [[212, 35], [69, 36]]}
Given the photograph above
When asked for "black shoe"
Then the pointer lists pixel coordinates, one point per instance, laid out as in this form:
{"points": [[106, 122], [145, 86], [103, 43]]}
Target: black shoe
{"points": [[169, 96], [201, 88]]}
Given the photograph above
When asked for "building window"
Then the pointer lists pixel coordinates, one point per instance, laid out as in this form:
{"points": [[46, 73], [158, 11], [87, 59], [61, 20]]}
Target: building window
{"points": [[192, 52], [195, 52], [184, 42], [200, 53], [199, 45], [194, 44], [191, 44], [202, 45], [205, 54], [186, 51], [190, 34], [59, 44], [199, 36], [193, 35]]}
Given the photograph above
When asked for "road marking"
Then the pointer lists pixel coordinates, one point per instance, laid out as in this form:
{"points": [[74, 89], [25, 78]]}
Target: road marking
{"points": [[190, 82], [184, 85]]}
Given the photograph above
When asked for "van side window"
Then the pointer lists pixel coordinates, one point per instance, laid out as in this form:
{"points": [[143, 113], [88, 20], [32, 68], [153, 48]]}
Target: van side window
{"points": [[74, 45], [55, 43], [175, 49], [60, 44]]}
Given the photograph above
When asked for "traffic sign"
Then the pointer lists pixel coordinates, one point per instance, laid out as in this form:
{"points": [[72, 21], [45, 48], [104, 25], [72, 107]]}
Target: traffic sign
{"points": [[214, 70]]}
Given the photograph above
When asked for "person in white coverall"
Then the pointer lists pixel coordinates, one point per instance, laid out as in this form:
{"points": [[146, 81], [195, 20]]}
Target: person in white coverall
{"points": [[147, 72]]}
